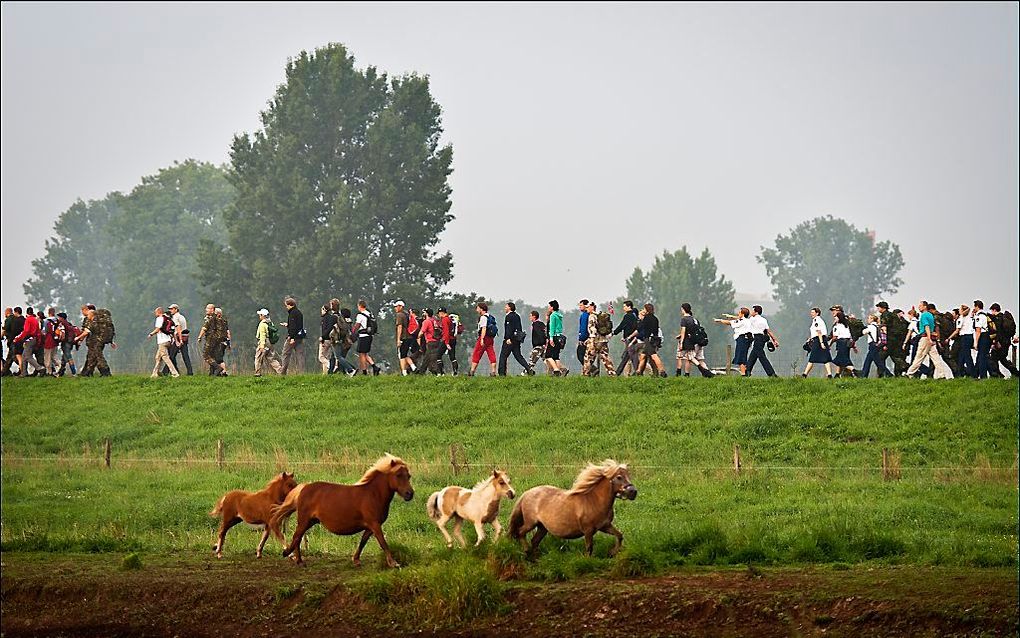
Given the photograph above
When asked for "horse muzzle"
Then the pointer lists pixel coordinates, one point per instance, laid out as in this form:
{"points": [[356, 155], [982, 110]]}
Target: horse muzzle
{"points": [[408, 496], [510, 494], [629, 493]]}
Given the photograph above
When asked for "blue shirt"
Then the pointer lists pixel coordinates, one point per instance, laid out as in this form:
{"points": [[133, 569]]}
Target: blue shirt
{"points": [[927, 319], [582, 329]]}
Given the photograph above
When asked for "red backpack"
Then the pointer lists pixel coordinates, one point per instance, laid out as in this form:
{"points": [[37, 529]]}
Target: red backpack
{"points": [[168, 326], [412, 324]]}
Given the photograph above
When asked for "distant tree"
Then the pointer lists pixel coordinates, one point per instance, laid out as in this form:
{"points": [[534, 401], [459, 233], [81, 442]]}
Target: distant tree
{"points": [[342, 192], [675, 278], [826, 261]]}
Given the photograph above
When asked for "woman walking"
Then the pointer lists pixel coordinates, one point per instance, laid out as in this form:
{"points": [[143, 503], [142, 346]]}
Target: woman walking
{"points": [[841, 334], [741, 336], [818, 345], [875, 344], [648, 325], [556, 340]]}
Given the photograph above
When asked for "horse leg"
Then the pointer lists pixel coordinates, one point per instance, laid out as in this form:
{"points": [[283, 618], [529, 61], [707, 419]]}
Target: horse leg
{"points": [[457, 522], [377, 531], [441, 524], [480, 531], [589, 544], [609, 529], [304, 522], [367, 534], [497, 530], [536, 538], [225, 526], [262, 542]]}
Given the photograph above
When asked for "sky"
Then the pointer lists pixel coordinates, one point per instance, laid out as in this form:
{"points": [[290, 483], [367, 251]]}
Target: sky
{"points": [[587, 138]]}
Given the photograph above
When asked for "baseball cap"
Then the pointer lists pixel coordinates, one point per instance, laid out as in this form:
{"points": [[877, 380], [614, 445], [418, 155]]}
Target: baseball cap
{"points": [[263, 312], [173, 305], [882, 304], [441, 309], [398, 302]]}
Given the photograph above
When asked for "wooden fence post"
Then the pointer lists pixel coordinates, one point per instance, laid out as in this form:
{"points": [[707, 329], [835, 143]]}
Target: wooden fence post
{"points": [[219, 453], [736, 459], [885, 464], [106, 452], [458, 457], [729, 358]]}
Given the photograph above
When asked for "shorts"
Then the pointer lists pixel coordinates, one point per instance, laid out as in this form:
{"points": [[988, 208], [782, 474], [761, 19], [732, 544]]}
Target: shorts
{"points": [[697, 355], [651, 346], [364, 344], [408, 345]]}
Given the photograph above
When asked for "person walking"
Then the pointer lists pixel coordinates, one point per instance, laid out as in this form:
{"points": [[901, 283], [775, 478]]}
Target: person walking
{"points": [[13, 327], [92, 334], [760, 335], [648, 330], [629, 359], [926, 346], [741, 336], [1005, 330], [29, 339], [874, 335], [841, 336], [66, 333], [557, 340], [691, 343], [452, 328], [406, 345], [965, 334], [818, 345], [49, 341], [293, 348], [539, 337], [210, 332], [327, 325], [365, 327], [582, 332], [982, 340], [487, 333], [431, 331], [600, 329], [513, 337], [164, 331], [264, 354], [179, 343]]}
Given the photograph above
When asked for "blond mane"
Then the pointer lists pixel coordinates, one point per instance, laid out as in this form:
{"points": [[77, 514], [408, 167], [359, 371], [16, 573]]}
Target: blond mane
{"points": [[486, 481], [384, 465], [593, 474]]}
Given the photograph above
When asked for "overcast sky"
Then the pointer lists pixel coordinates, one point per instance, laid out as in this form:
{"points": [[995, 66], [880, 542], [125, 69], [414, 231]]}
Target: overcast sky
{"points": [[610, 132]]}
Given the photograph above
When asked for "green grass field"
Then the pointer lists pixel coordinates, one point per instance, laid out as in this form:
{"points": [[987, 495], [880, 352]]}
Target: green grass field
{"points": [[811, 489]]}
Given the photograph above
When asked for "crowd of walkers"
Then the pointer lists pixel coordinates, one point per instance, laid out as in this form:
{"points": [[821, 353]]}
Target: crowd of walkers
{"points": [[921, 341]]}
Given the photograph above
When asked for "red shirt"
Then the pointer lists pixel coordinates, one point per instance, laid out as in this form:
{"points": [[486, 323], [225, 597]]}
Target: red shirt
{"points": [[31, 329], [447, 329], [429, 330]]}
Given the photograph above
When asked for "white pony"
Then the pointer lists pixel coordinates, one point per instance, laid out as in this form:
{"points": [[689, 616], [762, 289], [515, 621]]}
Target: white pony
{"points": [[479, 505]]}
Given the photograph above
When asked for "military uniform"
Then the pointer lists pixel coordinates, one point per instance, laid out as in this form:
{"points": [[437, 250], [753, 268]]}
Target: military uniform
{"points": [[596, 349], [215, 334], [896, 332], [94, 358]]}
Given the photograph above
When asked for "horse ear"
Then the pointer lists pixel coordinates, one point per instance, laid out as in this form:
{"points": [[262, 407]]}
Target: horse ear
{"points": [[495, 473], [393, 462]]}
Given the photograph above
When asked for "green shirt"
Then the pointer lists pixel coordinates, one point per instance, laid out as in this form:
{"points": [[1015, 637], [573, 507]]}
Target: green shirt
{"points": [[555, 324]]}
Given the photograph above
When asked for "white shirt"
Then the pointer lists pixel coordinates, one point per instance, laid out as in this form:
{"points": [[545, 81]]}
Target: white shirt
{"points": [[872, 331], [817, 327], [912, 327], [483, 321], [757, 324], [180, 321], [739, 327], [841, 331], [161, 337], [965, 325], [362, 320], [981, 321]]}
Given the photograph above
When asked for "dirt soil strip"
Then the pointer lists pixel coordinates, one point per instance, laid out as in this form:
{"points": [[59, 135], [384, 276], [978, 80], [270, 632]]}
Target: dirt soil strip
{"points": [[89, 596]]}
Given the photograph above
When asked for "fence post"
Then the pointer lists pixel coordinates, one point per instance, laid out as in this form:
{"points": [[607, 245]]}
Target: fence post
{"points": [[736, 459], [219, 453], [106, 452], [885, 464], [458, 457], [729, 358]]}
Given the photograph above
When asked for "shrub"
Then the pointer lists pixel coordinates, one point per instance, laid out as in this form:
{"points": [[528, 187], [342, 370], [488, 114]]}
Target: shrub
{"points": [[635, 562]]}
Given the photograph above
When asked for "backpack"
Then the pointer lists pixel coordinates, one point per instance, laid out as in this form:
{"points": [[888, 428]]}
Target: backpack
{"points": [[273, 333], [104, 326], [412, 325], [603, 324], [697, 335], [372, 326], [490, 327], [856, 328], [168, 326], [1006, 326], [457, 328], [992, 329], [340, 331]]}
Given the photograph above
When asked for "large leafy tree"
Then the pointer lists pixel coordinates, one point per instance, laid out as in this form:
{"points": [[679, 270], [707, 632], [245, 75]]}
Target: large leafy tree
{"points": [[342, 192], [133, 252], [826, 261], [677, 277]]}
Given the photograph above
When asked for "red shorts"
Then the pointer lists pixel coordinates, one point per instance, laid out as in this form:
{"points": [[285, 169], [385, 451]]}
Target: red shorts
{"points": [[484, 347]]}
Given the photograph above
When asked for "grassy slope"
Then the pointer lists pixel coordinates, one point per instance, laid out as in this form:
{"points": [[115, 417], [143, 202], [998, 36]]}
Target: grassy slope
{"points": [[671, 432]]}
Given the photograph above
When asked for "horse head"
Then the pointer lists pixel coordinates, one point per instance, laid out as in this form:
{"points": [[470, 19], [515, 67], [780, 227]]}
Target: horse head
{"points": [[282, 484], [622, 487], [501, 483], [400, 479]]}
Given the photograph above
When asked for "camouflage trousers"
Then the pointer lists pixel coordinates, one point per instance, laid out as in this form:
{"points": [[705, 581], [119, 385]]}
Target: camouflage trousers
{"points": [[538, 352], [212, 354], [595, 352], [94, 359]]}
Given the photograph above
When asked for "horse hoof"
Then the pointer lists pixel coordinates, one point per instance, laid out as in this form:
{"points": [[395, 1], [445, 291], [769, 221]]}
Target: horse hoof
{"points": [[357, 563], [258, 554]]}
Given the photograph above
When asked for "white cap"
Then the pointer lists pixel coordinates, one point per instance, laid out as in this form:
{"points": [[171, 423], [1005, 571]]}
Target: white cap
{"points": [[398, 303], [264, 312]]}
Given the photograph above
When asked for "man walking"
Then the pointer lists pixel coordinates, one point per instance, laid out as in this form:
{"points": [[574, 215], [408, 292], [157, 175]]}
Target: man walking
{"points": [[691, 343], [926, 346], [405, 339], [582, 332], [29, 339], [13, 325], [451, 329], [513, 337], [982, 339], [327, 327], [67, 332], [600, 328], [432, 332], [626, 327], [264, 354], [164, 330], [210, 330], [179, 343], [364, 327], [760, 334], [294, 347], [92, 335]]}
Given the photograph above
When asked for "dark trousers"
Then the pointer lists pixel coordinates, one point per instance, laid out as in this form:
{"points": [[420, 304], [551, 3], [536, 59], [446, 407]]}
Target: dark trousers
{"points": [[581, 349], [338, 361], [984, 346], [512, 348], [873, 357], [965, 358], [172, 350], [758, 353], [451, 351], [432, 361], [9, 359], [629, 354], [1001, 355]]}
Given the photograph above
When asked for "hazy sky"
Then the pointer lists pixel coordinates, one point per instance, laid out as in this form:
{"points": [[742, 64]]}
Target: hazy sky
{"points": [[608, 132]]}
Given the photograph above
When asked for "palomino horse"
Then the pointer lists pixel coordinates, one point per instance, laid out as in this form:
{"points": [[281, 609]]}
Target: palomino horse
{"points": [[479, 505], [253, 508], [347, 509], [586, 508]]}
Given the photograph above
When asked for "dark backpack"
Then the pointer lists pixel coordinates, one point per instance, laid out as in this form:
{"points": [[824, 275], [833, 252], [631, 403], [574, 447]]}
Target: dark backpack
{"points": [[340, 333], [697, 335], [490, 327], [273, 333], [104, 326], [856, 328], [603, 324], [372, 326], [1006, 326], [167, 327]]}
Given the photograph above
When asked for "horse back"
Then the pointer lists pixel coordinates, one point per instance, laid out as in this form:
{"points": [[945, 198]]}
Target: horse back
{"points": [[339, 506]]}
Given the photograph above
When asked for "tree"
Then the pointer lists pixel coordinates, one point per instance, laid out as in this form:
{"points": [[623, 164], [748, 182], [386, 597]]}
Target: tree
{"points": [[826, 261], [342, 192], [132, 252], [675, 278]]}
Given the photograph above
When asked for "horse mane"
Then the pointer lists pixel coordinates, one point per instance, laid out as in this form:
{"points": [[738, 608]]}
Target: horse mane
{"points": [[482, 484], [384, 465], [591, 475]]}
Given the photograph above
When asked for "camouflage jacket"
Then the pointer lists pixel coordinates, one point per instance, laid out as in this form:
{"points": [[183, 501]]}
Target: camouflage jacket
{"points": [[215, 328]]}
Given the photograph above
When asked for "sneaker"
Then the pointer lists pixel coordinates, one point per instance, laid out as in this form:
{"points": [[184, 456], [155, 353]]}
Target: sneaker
{"points": [[566, 371], [531, 372], [352, 373], [376, 370], [524, 373]]}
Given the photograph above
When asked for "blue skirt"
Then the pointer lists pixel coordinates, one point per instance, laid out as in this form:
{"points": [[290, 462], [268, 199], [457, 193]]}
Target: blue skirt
{"points": [[740, 347], [818, 353], [843, 353]]}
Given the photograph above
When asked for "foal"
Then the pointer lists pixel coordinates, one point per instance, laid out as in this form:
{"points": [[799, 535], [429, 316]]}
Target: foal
{"points": [[479, 505], [252, 508]]}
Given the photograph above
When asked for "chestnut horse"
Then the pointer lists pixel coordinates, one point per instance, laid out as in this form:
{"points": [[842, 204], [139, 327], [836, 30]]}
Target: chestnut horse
{"points": [[347, 509], [586, 508], [479, 505], [253, 508]]}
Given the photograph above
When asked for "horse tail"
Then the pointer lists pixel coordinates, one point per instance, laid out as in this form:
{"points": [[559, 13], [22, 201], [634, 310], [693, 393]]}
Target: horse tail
{"points": [[280, 513], [432, 507], [219, 506], [517, 520]]}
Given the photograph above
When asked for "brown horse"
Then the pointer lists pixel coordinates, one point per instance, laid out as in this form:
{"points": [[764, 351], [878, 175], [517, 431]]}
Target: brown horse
{"points": [[347, 509], [253, 508], [586, 508]]}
